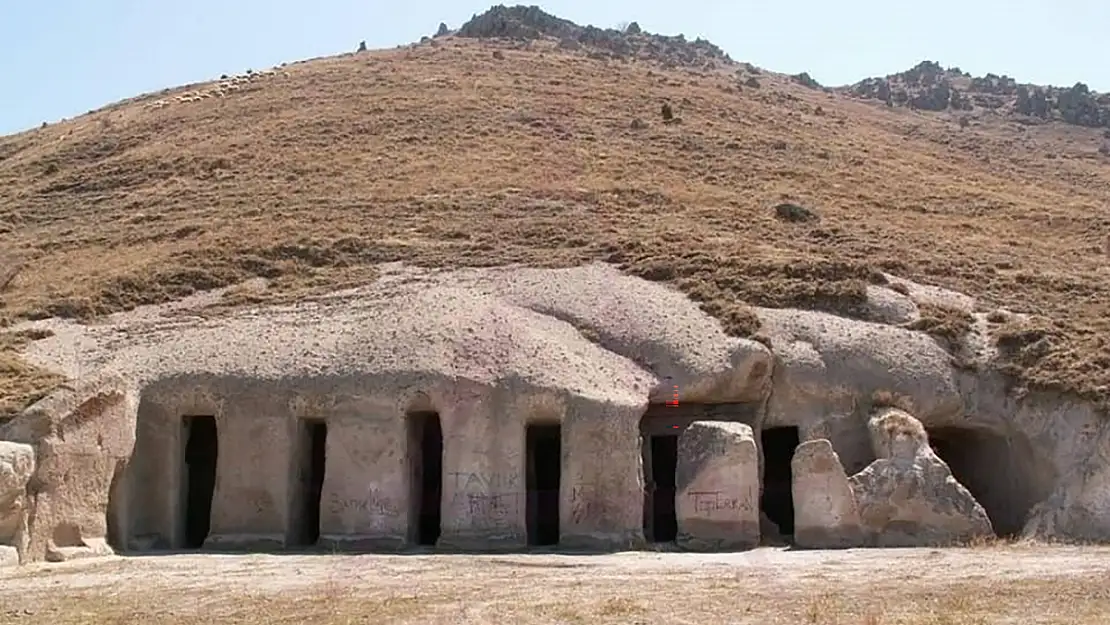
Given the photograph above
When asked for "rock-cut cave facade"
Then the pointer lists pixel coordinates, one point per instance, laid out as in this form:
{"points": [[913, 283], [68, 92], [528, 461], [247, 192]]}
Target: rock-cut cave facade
{"points": [[651, 427]]}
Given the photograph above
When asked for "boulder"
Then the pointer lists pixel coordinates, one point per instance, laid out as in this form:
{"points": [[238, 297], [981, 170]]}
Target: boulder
{"points": [[717, 499], [826, 515], [908, 497], [17, 465]]}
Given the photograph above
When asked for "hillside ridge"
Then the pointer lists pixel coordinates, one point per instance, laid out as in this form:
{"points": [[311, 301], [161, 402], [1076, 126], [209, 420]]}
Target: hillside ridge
{"points": [[736, 185], [926, 87]]}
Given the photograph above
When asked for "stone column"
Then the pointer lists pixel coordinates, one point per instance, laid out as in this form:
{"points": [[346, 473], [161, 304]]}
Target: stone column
{"points": [[601, 492], [249, 505], [484, 495], [154, 480], [365, 498]]}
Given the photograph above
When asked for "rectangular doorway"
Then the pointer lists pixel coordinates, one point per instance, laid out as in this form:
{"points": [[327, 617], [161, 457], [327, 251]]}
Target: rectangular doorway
{"points": [[425, 445], [660, 519], [312, 445], [199, 476], [543, 448], [777, 499]]}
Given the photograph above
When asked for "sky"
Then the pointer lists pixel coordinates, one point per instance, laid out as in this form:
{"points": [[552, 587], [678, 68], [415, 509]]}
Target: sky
{"points": [[62, 58]]}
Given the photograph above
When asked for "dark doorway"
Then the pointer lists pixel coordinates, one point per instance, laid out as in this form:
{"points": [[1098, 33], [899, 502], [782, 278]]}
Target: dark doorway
{"points": [[426, 458], [777, 499], [662, 526], [1004, 474], [201, 452], [312, 444], [545, 461]]}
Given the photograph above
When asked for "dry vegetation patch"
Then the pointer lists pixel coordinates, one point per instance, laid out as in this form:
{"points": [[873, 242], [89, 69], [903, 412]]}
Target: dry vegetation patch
{"points": [[442, 154], [769, 586]]}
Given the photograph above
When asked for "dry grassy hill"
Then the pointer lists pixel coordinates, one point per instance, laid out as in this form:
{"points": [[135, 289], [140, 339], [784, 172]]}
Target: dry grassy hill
{"points": [[551, 151]]}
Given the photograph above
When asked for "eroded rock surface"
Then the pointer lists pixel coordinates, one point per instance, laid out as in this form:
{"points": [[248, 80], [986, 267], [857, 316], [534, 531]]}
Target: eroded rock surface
{"points": [[826, 514], [81, 438], [717, 503], [490, 351], [908, 496], [17, 464]]}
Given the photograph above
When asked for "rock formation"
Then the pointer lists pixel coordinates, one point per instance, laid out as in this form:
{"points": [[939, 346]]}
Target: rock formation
{"points": [[928, 86], [530, 23], [17, 463], [498, 408], [82, 439], [908, 497]]}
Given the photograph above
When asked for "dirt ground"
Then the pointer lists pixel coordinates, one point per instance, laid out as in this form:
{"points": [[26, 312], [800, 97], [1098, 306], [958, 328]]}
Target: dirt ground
{"points": [[1013, 584]]}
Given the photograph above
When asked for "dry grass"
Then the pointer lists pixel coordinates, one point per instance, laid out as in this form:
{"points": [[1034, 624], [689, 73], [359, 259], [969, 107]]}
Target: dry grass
{"points": [[22, 384], [444, 155], [836, 590], [1070, 601]]}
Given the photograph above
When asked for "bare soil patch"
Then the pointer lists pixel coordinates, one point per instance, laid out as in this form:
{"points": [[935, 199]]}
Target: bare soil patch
{"points": [[444, 154], [1011, 584]]}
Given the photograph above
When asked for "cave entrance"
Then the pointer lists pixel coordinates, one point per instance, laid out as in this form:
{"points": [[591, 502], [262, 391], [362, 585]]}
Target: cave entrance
{"points": [[777, 499], [426, 491], [200, 456], [311, 459], [1004, 474], [661, 464], [543, 444]]}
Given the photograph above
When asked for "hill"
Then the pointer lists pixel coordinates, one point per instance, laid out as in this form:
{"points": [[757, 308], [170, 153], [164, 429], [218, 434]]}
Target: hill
{"points": [[522, 138]]}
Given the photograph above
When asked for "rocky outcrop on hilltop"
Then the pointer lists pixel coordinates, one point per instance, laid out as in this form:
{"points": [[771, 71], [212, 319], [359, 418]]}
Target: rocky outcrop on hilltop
{"points": [[530, 23], [930, 87]]}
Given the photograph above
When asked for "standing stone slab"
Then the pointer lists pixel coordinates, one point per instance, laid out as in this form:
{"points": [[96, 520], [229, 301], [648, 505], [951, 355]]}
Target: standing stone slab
{"points": [[717, 477], [826, 515]]}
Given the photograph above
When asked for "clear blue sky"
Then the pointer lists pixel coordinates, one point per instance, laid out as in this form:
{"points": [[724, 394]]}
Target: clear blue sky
{"points": [[61, 58]]}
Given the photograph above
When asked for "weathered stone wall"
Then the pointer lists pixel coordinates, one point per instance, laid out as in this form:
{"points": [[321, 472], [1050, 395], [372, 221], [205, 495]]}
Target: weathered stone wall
{"points": [[588, 349]]}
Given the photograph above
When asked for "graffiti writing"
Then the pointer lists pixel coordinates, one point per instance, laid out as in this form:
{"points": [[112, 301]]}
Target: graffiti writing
{"points": [[484, 481], [491, 506], [707, 502], [374, 503]]}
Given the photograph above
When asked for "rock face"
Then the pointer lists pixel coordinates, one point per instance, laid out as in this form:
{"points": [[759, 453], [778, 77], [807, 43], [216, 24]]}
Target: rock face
{"points": [[81, 439], [908, 496], [928, 86], [717, 506], [530, 23], [496, 408], [826, 515], [17, 464]]}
